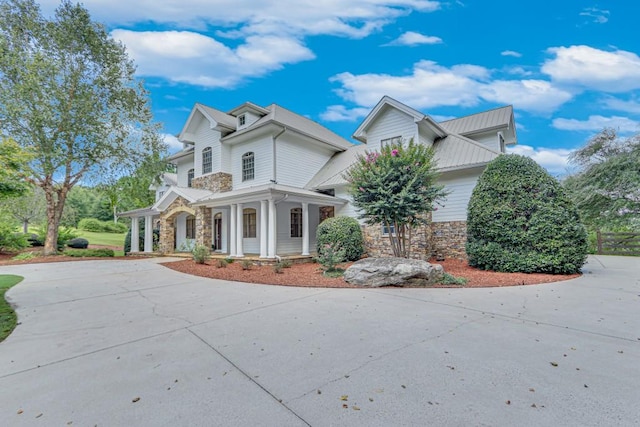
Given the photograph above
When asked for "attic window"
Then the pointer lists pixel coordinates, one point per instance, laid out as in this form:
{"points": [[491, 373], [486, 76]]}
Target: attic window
{"points": [[242, 119], [391, 141]]}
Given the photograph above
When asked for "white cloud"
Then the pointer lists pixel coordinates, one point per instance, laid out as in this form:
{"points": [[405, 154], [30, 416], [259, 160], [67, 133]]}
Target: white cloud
{"points": [[188, 57], [340, 113], [617, 71], [172, 142], [631, 106], [511, 53], [431, 85], [411, 38], [530, 95], [598, 16], [597, 123], [554, 160]]}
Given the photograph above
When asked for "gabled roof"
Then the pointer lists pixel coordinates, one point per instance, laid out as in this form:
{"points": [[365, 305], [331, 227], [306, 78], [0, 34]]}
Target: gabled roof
{"points": [[331, 174], [191, 195], [249, 106], [386, 102], [216, 118], [479, 122], [457, 152], [182, 153], [294, 122], [166, 178]]}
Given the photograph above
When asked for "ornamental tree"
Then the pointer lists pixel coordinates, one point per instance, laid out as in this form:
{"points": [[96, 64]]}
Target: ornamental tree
{"points": [[396, 187], [68, 95]]}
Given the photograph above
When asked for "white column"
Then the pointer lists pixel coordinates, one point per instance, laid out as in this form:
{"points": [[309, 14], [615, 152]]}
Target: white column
{"points": [[232, 230], [148, 233], [263, 228], [305, 228], [239, 235], [135, 233], [272, 229]]}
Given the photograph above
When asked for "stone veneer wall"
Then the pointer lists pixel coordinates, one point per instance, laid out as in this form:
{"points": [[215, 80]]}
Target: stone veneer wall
{"points": [[217, 182], [378, 245], [167, 241], [449, 239], [204, 229]]}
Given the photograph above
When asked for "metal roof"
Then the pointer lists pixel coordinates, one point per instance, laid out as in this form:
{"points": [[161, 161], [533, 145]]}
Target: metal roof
{"points": [[331, 174], [457, 152], [479, 122]]}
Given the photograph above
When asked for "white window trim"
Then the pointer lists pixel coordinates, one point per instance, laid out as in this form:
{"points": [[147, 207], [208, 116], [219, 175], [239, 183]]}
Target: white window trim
{"points": [[391, 141]]}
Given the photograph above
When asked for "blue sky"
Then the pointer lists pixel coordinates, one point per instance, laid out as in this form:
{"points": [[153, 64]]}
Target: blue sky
{"points": [[568, 67]]}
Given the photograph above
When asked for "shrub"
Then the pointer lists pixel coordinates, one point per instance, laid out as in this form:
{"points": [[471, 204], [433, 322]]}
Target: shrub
{"points": [[115, 227], [330, 255], [10, 241], [97, 226], [278, 268], [343, 231], [520, 219], [64, 235], [25, 256], [80, 253], [34, 240], [286, 263], [78, 243], [222, 263], [450, 279], [246, 264], [200, 254]]}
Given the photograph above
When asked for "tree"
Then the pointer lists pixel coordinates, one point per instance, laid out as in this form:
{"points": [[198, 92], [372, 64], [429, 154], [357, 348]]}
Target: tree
{"points": [[28, 209], [396, 187], [520, 219], [13, 168], [68, 94], [606, 188]]}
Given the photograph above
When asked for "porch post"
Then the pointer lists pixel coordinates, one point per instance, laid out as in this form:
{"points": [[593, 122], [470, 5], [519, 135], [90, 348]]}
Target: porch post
{"points": [[239, 235], [263, 228], [305, 228], [148, 233], [135, 234], [232, 230], [272, 229]]}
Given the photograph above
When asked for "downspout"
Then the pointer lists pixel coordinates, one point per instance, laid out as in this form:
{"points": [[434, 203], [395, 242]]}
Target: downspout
{"points": [[274, 176]]}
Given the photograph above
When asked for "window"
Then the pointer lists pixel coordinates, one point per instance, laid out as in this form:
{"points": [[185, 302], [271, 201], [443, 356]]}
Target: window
{"points": [[385, 229], [206, 160], [189, 177], [391, 141], [242, 119], [191, 227], [296, 222], [249, 223], [248, 166]]}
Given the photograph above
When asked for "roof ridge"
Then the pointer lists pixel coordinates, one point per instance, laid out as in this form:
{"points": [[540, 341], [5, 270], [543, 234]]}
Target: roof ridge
{"points": [[475, 114], [473, 142]]}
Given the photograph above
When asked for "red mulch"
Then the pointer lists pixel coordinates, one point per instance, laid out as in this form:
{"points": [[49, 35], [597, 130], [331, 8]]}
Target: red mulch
{"points": [[310, 275]]}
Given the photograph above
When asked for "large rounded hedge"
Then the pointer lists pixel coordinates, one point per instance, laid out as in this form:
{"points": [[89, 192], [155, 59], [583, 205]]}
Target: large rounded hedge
{"points": [[343, 231], [521, 220]]}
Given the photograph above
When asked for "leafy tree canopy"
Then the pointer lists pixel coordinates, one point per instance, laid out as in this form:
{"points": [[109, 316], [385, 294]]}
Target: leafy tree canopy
{"points": [[396, 187], [606, 188], [68, 94], [13, 169]]}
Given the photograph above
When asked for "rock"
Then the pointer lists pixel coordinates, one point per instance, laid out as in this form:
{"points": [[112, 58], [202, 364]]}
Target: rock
{"points": [[376, 272]]}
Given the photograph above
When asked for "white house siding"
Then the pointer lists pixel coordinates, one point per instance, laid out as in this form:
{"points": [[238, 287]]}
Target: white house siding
{"points": [[297, 161], [293, 245], [182, 166], [488, 140], [425, 140], [460, 186], [347, 209], [206, 137], [389, 124], [181, 232], [262, 153]]}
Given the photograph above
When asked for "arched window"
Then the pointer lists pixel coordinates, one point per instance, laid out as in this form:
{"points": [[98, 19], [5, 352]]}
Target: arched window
{"points": [[189, 177], [248, 223], [248, 166], [206, 160], [296, 222]]}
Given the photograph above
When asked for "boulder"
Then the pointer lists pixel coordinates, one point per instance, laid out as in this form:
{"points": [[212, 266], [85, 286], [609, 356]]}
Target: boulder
{"points": [[376, 272]]}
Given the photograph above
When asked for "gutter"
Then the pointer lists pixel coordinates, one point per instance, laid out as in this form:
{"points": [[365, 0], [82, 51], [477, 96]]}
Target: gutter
{"points": [[274, 175]]}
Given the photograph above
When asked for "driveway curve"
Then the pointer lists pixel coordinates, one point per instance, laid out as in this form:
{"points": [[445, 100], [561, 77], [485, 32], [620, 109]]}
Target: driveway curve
{"points": [[133, 343]]}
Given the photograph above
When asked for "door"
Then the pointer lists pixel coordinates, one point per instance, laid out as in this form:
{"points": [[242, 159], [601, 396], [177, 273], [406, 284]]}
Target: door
{"points": [[217, 232]]}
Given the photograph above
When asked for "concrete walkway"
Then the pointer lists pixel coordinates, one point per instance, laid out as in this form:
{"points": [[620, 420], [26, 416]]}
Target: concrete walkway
{"points": [[126, 343]]}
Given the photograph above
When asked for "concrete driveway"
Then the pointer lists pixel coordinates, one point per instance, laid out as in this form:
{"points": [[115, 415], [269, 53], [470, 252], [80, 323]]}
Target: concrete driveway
{"points": [[122, 343]]}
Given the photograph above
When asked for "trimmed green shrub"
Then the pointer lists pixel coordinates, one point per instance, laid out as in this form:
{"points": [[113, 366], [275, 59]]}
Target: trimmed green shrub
{"points": [[115, 227], [64, 235], [201, 254], [78, 243], [81, 253], [521, 220], [329, 256], [341, 232], [97, 226]]}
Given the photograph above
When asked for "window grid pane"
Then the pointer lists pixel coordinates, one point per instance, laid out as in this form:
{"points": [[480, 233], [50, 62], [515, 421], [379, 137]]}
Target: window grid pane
{"points": [[206, 160], [190, 177], [296, 222], [247, 166], [191, 227], [249, 223]]}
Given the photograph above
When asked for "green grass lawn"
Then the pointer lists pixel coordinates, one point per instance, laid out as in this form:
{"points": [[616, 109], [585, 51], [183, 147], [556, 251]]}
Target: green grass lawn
{"points": [[8, 318], [110, 239]]}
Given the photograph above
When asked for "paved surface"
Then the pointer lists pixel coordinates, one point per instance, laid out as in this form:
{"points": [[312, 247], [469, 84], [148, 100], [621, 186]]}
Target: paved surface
{"points": [[122, 343]]}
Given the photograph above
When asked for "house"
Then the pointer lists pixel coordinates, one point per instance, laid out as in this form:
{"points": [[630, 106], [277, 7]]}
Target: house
{"points": [[258, 180]]}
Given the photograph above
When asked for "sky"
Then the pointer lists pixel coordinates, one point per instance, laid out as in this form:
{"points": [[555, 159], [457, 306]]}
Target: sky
{"points": [[568, 67]]}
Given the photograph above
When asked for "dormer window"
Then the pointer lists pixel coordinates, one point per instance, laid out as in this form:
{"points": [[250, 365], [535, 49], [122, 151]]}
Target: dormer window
{"points": [[248, 166], [242, 120], [206, 160]]}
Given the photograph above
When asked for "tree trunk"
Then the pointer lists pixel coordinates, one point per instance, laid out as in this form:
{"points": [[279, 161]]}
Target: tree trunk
{"points": [[25, 226], [55, 205]]}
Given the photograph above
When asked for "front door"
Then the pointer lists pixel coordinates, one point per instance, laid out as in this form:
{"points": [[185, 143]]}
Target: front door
{"points": [[217, 232]]}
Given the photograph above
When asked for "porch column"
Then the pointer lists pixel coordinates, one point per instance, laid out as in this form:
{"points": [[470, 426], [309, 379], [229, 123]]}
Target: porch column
{"points": [[239, 235], [272, 229], [305, 228], [135, 232], [263, 228], [232, 230], [148, 233]]}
